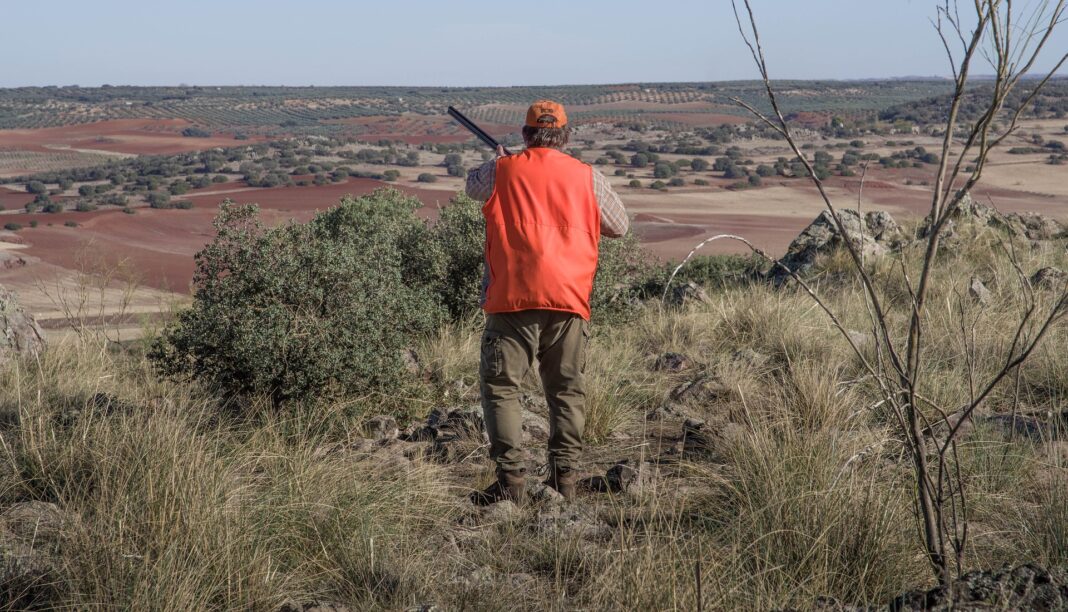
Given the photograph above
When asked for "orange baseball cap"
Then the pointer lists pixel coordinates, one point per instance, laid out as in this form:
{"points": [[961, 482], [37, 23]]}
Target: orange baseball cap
{"points": [[543, 110]]}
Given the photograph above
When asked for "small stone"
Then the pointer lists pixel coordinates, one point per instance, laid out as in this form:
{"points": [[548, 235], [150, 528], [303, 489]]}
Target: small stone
{"points": [[978, 291], [704, 389], [666, 410], [535, 427], [544, 494], [687, 292], [500, 512], [622, 477], [672, 362], [861, 340], [410, 360], [381, 427], [749, 357]]}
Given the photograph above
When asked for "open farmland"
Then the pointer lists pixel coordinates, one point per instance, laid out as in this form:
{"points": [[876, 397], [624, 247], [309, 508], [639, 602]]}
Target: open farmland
{"points": [[132, 177]]}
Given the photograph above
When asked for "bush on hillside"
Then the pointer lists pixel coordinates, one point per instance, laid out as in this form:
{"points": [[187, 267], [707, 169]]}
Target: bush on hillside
{"points": [[326, 309], [307, 311]]}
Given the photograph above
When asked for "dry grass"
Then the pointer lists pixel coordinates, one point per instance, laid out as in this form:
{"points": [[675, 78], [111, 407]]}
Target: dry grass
{"points": [[800, 491]]}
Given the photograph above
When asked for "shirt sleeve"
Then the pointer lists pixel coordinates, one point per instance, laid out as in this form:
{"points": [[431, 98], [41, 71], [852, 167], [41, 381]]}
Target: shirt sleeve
{"points": [[480, 181], [614, 221]]}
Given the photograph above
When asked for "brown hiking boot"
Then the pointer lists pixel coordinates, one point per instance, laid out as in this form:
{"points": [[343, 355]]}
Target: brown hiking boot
{"points": [[511, 486], [563, 480]]}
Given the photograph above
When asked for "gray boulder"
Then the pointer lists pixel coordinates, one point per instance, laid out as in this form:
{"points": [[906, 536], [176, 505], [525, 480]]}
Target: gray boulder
{"points": [[20, 335], [875, 233]]}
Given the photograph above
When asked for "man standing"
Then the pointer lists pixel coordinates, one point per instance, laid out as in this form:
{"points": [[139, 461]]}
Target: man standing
{"points": [[545, 212]]}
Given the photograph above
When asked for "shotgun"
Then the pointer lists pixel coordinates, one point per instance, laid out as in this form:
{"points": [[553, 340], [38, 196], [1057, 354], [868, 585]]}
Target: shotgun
{"points": [[474, 129]]}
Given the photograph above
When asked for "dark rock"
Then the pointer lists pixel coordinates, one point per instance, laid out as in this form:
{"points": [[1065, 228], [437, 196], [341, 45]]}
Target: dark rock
{"points": [[20, 335], [672, 362], [625, 477], [664, 411], [1049, 278], [687, 292], [381, 427], [694, 438], [1026, 587], [704, 389]]}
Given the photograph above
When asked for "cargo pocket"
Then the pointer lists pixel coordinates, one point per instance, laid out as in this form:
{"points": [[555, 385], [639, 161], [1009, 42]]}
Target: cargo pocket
{"points": [[585, 345], [491, 362]]}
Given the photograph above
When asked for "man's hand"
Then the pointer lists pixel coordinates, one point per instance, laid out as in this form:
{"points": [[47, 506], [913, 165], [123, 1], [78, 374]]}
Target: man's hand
{"points": [[500, 151]]}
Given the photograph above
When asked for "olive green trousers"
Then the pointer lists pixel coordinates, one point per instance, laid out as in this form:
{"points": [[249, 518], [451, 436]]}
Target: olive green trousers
{"points": [[511, 344]]}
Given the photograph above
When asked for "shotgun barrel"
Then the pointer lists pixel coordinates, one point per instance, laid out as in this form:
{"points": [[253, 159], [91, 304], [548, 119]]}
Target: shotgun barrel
{"points": [[474, 129]]}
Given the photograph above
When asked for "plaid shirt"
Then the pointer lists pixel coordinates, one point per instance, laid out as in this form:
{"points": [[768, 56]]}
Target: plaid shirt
{"points": [[614, 222]]}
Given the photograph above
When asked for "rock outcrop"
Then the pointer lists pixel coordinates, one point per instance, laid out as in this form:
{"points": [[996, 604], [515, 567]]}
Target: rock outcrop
{"points": [[875, 233], [19, 332]]}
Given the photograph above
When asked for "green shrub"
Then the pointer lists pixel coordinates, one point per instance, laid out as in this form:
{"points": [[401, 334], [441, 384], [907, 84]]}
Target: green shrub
{"points": [[426, 177], [624, 271], [390, 175], [307, 311], [458, 238], [12, 227], [70, 223]]}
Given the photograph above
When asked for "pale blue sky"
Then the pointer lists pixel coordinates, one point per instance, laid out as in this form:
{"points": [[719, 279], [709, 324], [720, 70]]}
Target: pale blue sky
{"points": [[461, 43]]}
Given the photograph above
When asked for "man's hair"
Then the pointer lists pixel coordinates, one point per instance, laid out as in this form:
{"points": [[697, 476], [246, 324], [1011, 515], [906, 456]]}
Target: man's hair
{"points": [[553, 138]]}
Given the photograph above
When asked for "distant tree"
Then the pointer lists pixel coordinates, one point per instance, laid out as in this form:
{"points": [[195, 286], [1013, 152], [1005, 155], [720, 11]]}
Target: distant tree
{"points": [[659, 185], [676, 182], [856, 144], [158, 199], [195, 132], [765, 170], [36, 187], [178, 188], [699, 164], [453, 159], [426, 177], [339, 175], [184, 205], [65, 184], [639, 160], [390, 175], [755, 180], [701, 182], [456, 171], [219, 178], [12, 227], [634, 183], [620, 172], [84, 206], [734, 172], [663, 170], [86, 190]]}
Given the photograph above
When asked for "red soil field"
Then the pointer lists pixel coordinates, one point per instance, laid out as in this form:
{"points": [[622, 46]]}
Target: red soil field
{"points": [[161, 243], [133, 136]]}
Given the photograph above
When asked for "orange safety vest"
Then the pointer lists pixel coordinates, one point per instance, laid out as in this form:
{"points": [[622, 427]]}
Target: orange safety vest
{"points": [[542, 230]]}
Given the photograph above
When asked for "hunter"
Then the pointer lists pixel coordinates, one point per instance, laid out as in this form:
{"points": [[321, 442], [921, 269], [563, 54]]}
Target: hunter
{"points": [[545, 213]]}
